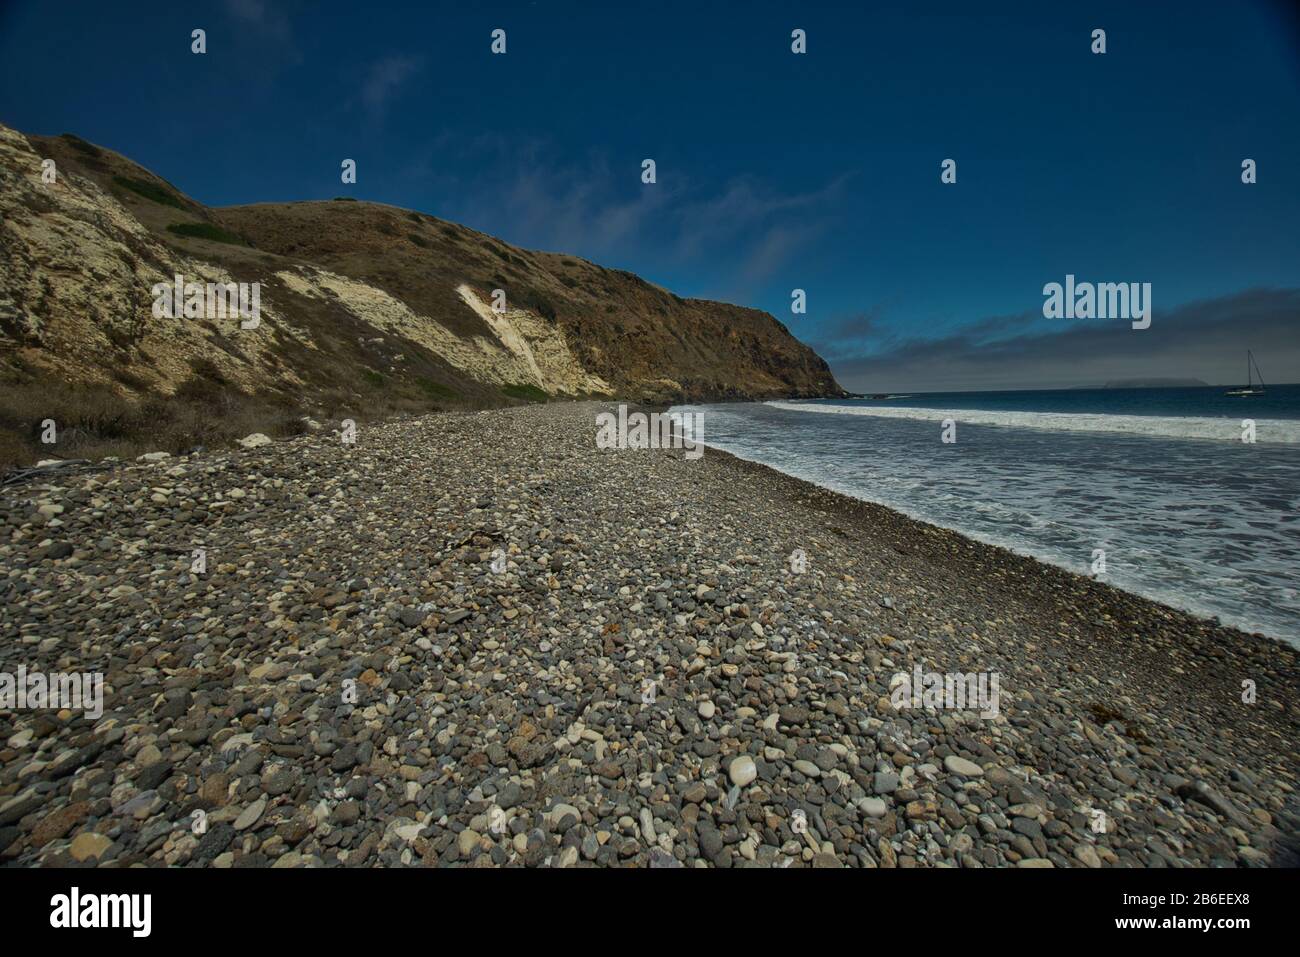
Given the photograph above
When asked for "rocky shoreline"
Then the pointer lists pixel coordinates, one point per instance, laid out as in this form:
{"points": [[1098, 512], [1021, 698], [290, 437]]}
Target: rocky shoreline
{"points": [[476, 639]]}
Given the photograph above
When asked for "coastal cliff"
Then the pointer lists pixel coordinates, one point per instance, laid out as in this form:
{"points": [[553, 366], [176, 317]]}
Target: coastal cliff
{"points": [[365, 309]]}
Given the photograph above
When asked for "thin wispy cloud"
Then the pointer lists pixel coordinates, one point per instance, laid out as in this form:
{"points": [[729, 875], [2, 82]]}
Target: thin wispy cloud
{"points": [[853, 335], [1205, 340], [572, 209], [254, 11], [745, 205], [272, 20], [774, 246], [745, 229], [263, 23], [385, 78]]}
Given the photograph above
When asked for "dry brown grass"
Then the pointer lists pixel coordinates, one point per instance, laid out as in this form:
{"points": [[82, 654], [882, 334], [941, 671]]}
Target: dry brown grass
{"points": [[93, 422]]}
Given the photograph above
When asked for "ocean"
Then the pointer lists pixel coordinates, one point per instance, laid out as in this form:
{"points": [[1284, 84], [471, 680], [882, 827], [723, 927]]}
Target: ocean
{"points": [[1159, 480]]}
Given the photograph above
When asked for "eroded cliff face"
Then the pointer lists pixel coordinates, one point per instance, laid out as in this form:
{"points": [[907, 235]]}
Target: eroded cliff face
{"points": [[76, 270], [355, 297]]}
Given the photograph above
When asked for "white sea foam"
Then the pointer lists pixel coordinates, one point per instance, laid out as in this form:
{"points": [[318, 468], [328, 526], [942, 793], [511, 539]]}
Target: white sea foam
{"points": [[1188, 525], [1282, 431]]}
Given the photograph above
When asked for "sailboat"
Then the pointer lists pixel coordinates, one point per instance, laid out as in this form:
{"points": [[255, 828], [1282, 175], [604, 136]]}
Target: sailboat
{"points": [[1250, 387]]}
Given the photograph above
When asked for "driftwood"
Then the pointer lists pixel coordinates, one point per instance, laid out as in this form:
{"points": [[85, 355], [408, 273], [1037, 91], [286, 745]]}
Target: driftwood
{"points": [[62, 467]]}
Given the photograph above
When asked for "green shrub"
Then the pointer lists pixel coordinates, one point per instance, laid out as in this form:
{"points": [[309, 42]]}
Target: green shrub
{"points": [[150, 191], [525, 297], [77, 142], [529, 393], [434, 390], [206, 231]]}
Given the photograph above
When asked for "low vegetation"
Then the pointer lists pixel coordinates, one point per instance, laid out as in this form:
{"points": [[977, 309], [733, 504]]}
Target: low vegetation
{"points": [[436, 391], [528, 393], [124, 420], [78, 143], [206, 231], [150, 191], [95, 422]]}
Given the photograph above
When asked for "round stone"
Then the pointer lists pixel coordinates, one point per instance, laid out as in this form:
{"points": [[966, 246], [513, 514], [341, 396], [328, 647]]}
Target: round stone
{"points": [[742, 770], [967, 769]]}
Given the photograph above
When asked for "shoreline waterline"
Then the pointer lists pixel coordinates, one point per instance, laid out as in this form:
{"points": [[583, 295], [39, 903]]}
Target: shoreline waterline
{"points": [[1204, 527], [550, 623], [1036, 563]]}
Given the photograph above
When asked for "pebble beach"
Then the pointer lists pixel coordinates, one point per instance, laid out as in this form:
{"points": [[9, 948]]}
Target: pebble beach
{"points": [[476, 639]]}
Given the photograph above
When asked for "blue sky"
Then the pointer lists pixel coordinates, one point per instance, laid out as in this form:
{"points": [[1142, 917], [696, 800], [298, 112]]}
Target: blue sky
{"points": [[775, 170]]}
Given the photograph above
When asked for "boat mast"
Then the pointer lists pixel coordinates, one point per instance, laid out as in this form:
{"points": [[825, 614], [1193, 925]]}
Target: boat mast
{"points": [[1252, 367]]}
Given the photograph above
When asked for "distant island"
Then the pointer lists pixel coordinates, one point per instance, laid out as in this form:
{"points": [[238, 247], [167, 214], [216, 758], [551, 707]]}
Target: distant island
{"points": [[1171, 383]]}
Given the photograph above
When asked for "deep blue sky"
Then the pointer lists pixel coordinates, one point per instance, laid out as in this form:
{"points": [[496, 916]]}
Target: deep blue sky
{"points": [[775, 171]]}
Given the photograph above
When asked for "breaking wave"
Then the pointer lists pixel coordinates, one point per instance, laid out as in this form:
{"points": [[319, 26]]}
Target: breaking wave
{"points": [[1282, 431]]}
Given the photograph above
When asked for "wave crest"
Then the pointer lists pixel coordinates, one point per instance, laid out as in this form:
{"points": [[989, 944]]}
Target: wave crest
{"points": [[1282, 431]]}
